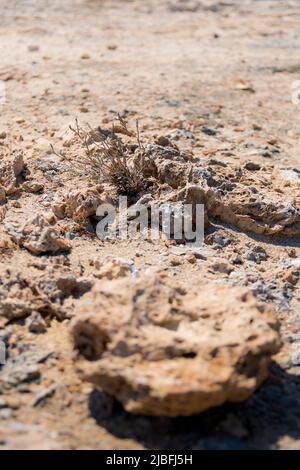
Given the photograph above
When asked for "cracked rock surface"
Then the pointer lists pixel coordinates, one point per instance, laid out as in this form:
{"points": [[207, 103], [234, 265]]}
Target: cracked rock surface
{"points": [[164, 352]]}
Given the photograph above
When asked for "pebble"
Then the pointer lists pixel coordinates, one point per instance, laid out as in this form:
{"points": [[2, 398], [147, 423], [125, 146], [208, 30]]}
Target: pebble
{"points": [[208, 131], [36, 323], [257, 254], [175, 260], [251, 166], [41, 396], [19, 120], [32, 186], [237, 260], [222, 266], [221, 241], [190, 257], [33, 48], [112, 47]]}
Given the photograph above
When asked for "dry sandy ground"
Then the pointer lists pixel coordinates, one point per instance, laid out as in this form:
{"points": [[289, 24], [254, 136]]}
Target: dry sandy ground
{"points": [[179, 67]]}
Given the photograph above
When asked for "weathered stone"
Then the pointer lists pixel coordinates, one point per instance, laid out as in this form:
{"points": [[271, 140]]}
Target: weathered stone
{"points": [[32, 186], [38, 236], [162, 351], [78, 204], [114, 268], [24, 294], [263, 202], [11, 165]]}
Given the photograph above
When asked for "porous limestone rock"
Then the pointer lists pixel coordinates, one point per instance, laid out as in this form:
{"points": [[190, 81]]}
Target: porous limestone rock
{"points": [[259, 199], [78, 204], [38, 236], [11, 165], [163, 351], [27, 292], [20, 297], [168, 164], [114, 268]]}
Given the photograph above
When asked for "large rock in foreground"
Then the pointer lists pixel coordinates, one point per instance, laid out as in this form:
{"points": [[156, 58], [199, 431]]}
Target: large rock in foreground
{"points": [[162, 351]]}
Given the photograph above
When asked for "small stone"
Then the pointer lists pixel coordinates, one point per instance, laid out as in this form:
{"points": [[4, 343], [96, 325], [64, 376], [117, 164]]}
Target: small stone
{"points": [[208, 131], [38, 236], [114, 268], [36, 323], [190, 257], [222, 266], [163, 141], [33, 48], [43, 395], [3, 135], [66, 283], [78, 204], [221, 241], [32, 186], [175, 260], [237, 260], [11, 166], [251, 166], [16, 204], [19, 120], [257, 254]]}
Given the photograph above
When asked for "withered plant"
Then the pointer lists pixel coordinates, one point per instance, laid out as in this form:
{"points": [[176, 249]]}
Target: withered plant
{"points": [[108, 159]]}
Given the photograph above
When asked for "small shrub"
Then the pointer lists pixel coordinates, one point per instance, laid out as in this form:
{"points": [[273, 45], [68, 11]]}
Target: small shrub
{"points": [[108, 159]]}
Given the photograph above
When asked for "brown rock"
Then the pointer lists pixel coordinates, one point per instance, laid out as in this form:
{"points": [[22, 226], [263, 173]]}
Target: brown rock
{"points": [[32, 186], [261, 201], [25, 292], [38, 236], [114, 268], [161, 351], [11, 165], [78, 204]]}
